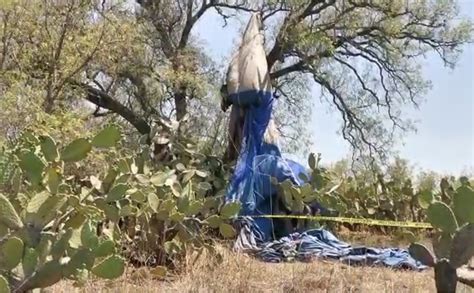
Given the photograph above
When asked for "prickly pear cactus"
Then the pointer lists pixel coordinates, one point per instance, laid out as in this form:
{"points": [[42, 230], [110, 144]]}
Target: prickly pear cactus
{"points": [[59, 226], [49, 235], [454, 239]]}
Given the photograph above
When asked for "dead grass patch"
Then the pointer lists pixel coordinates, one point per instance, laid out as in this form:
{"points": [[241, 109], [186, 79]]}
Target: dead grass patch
{"points": [[242, 273]]}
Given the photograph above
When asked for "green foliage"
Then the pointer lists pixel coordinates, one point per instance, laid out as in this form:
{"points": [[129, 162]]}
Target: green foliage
{"points": [[76, 150], [453, 244], [111, 268], [4, 286], [463, 201], [421, 253], [46, 238], [108, 137], [8, 216], [442, 217], [61, 226]]}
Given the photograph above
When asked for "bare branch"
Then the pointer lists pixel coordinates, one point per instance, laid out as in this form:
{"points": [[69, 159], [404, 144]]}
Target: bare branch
{"points": [[104, 100]]}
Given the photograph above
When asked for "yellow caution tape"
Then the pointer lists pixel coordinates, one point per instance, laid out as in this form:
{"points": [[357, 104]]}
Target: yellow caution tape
{"points": [[370, 222]]}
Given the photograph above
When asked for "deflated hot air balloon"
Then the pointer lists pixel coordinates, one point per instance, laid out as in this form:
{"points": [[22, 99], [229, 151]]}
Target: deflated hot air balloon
{"points": [[259, 160], [250, 94]]}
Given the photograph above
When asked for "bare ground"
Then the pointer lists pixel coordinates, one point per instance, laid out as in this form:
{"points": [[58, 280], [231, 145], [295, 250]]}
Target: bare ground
{"points": [[241, 273]]}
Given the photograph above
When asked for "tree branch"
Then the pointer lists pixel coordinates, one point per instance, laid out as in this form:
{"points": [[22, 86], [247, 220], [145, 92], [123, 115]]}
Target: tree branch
{"points": [[104, 100]]}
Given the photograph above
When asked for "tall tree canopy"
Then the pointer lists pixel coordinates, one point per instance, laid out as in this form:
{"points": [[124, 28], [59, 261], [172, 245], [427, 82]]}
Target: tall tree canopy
{"points": [[141, 61]]}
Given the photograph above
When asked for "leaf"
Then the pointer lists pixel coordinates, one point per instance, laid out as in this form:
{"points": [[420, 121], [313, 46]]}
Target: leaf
{"points": [[202, 174], [138, 196], [127, 210], [111, 268], [214, 221], [105, 248], [36, 201], [168, 205], [11, 253], [112, 213], [153, 201], [176, 189], [108, 137], [109, 179], [48, 210], [194, 208], [227, 230], [89, 237], [442, 245], [229, 210], [117, 192], [33, 166], [188, 175], [4, 287], [422, 254], [8, 215], [312, 161], [53, 180], [82, 259], [441, 216], [462, 248], [205, 186], [49, 274], [180, 167], [159, 179], [171, 182], [49, 149], [75, 221], [425, 198], [30, 261], [76, 150], [287, 198], [463, 204], [60, 246], [124, 166], [177, 217]]}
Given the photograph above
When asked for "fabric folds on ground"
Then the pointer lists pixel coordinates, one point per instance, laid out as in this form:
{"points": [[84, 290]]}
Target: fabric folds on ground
{"points": [[318, 244]]}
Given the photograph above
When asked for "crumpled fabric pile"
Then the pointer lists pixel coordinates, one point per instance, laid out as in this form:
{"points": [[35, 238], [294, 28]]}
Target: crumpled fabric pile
{"points": [[318, 244]]}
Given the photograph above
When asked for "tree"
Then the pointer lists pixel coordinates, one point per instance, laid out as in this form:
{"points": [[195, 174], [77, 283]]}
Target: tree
{"points": [[363, 55], [47, 49]]}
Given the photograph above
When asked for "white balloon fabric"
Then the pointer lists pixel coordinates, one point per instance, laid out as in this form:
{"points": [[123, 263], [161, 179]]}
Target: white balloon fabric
{"points": [[248, 70]]}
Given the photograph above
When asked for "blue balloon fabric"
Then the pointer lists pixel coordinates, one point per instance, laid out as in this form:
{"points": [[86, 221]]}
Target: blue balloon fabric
{"points": [[252, 186]]}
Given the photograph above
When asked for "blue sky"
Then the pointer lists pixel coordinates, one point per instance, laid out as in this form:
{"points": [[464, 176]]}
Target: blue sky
{"points": [[444, 141]]}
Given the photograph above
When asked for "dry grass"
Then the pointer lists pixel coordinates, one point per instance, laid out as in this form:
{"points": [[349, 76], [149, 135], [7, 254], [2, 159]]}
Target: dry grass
{"points": [[241, 273]]}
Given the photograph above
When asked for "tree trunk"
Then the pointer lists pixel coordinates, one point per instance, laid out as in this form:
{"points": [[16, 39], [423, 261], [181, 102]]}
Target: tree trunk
{"points": [[235, 134], [445, 277], [181, 105]]}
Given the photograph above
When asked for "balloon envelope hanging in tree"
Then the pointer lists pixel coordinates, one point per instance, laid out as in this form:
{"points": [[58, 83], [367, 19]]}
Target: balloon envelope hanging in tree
{"points": [[248, 80]]}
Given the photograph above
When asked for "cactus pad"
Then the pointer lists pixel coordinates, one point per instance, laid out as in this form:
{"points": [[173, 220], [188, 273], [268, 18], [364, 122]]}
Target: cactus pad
{"points": [[422, 254], [108, 137], [8, 215], [463, 202], [111, 268], [442, 217], [11, 253], [4, 287], [462, 246], [76, 150]]}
